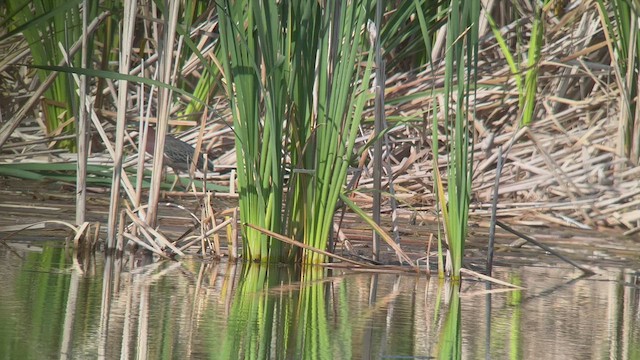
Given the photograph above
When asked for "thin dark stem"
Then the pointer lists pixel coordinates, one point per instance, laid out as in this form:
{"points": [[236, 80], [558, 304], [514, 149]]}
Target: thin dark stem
{"points": [[494, 210]]}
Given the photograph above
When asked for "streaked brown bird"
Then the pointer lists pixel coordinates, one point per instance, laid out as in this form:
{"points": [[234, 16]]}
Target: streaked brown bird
{"points": [[177, 153]]}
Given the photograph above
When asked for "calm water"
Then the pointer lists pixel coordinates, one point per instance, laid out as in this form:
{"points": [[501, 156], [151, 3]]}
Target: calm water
{"points": [[53, 307]]}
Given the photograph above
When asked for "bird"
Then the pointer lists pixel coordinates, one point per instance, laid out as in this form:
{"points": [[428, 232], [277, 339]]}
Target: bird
{"points": [[177, 153]]}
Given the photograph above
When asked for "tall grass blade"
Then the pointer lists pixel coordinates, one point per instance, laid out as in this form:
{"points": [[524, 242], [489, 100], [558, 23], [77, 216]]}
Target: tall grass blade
{"points": [[459, 87]]}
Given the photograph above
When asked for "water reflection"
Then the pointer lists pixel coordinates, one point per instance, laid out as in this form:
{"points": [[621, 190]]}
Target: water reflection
{"points": [[54, 306], [450, 344]]}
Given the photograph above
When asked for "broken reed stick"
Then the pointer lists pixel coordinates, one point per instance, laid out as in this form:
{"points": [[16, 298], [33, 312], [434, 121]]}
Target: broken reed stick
{"points": [[543, 247], [323, 252]]}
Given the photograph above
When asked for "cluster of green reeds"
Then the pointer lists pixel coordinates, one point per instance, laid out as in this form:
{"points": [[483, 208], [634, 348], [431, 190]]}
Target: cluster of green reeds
{"points": [[61, 21], [297, 76], [621, 31]]}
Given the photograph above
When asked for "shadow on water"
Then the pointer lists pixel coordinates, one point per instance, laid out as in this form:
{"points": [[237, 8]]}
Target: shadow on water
{"points": [[54, 306]]}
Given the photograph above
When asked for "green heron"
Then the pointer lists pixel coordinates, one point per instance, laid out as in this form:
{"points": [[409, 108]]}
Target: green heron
{"points": [[177, 153]]}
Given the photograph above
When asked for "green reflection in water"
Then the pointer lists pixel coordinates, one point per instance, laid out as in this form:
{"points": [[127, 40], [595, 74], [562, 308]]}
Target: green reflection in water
{"points": [[311, 330], [169, 310], [514, 299], [450, 344], [252, 314], [35, 303], [268, 320], [26, 328]]}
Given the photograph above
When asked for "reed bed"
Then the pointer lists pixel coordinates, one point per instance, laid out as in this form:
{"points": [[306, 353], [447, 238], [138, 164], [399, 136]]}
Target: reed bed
{"points": [[564, 168], [571, 163]]}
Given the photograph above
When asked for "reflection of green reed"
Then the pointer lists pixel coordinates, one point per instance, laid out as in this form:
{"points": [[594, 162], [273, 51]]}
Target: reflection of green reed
{"points": [[505, 325], [34, 301], [40, 305], [311, 329], [251, 321], [345, 332], [270, 323], [514, 298], [450, 344]]}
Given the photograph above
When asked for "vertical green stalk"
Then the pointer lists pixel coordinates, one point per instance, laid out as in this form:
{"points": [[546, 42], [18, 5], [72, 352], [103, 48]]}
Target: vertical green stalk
{"points": [[531, 78], [460, 75], [437, 186], [527, 87], [305, 38]]}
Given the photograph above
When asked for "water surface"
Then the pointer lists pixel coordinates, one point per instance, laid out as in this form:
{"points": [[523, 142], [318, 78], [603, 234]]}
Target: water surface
{"points": [[54, 307]]}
